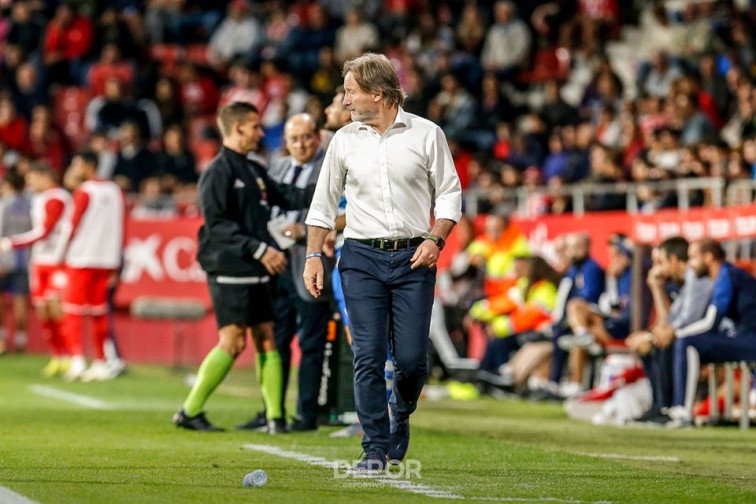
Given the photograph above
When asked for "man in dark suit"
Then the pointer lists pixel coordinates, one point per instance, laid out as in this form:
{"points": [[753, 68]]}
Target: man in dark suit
{"points": [[296, 311]]}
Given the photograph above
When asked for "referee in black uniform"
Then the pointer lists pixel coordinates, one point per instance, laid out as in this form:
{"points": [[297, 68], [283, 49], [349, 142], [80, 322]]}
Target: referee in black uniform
{"points": [[235, 197]]}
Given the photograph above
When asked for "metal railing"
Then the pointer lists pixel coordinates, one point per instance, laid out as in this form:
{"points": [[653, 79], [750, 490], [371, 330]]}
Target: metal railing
{"points": [[719, 193]]}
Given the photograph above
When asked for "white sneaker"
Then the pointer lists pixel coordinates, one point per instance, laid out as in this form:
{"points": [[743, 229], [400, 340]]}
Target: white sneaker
{"points": [[98, 371], [570, 389], [76, 369], [117, 367], [679, 417]]}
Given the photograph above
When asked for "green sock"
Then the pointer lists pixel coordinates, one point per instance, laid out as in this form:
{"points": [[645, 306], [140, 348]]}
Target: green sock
{"points": [[270, 373], [211, 372]]}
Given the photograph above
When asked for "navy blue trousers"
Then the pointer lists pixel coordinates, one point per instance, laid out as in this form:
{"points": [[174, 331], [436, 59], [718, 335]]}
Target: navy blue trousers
{"points": [[658, 368], [385, 296], [712, 347]]}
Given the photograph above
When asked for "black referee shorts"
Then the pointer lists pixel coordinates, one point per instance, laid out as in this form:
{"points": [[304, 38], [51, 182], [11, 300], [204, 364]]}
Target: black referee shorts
{"points": [[241, 304]]}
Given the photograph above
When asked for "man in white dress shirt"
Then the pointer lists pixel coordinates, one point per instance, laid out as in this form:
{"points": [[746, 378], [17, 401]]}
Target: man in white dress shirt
{"points": [[395, 168]]}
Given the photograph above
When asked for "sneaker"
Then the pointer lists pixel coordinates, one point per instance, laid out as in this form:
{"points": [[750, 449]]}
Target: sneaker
{"points": [[52, 368], [679, 417], [399, 438], [583, 340], [98, 371], [116, 366], [259, 421], [349, 431], [374, 461], [276, 426], [299, 424], [76, 369], [197, 422]]}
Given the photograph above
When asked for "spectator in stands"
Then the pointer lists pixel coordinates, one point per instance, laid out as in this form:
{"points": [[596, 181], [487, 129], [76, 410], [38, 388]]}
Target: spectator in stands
{"points": [[680, 298], [108, 112], [68, 38], [595, 326], [198, 92], [695, 127], [238, 35], [45, 142], [111, 29], [584, 280], [327, 77], [555, 111], [110, 66], [355, 37], [175, 164], [102, 147], [471, 30], [50, 209], [507, 31], [304, 42], [245, 86], [727, 332], [13, 58], [153, 202], [453, 107], [25, 30], [606, 170], [556, 161], [168, 102], [29, 90], [662, 73], [492, 107], [14, 264], [13, 129], [135, 162]]}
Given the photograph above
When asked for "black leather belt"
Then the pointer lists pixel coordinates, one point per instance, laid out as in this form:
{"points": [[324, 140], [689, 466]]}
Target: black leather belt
{"points": [[384, 244]]}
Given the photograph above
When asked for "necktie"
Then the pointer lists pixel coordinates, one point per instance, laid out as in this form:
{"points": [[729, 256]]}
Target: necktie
{"points": [[297, 173]]}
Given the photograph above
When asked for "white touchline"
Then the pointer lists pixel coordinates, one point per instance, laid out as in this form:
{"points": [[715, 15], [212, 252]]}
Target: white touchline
{"points": [[620, 456], [8, 496], [81, 400], [403, 484]]}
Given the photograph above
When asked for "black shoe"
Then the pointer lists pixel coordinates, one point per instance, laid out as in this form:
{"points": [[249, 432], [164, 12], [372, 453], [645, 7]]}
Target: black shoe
{"points": [[276, 426], [374, 461], [299, 424], [260, 420], [197, 422], [399, 438], [648, 415]]}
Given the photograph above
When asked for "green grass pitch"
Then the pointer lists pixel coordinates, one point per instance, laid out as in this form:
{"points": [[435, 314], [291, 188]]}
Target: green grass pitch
{"points": [[120, 447]]}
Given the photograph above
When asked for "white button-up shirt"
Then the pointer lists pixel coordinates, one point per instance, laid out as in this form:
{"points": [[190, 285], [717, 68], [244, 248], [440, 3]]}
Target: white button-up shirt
{"points": [[391, 181]]}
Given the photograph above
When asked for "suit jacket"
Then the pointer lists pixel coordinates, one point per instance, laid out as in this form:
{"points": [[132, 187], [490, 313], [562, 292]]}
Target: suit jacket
{"points": [[281, 170]]}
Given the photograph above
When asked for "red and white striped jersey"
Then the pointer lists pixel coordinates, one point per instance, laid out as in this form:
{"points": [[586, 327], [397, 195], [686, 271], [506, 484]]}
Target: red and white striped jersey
{"points": [[50, 211], [96, 228]]}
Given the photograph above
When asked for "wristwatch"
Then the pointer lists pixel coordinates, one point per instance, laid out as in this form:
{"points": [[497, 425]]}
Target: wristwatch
{"points": [[440, 243]]}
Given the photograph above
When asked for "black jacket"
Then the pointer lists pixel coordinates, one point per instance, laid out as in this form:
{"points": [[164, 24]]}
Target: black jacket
{"points": [[235, 196]]}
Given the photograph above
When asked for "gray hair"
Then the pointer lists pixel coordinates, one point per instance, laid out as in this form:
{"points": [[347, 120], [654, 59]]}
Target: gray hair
{"points": [[374, 73]]}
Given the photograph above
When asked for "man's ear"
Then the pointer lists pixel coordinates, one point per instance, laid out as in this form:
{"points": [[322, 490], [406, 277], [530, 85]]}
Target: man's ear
{"points": [[378, 97]]}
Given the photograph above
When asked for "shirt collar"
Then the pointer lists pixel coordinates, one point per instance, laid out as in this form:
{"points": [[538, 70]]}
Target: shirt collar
{"points": [[401, 120]]}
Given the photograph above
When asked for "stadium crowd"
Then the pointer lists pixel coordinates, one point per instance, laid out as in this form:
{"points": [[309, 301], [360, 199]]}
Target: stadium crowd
{"points": [[529, 95]]}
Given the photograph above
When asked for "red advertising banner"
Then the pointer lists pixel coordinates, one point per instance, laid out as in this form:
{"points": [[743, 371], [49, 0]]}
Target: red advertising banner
{"points": [[730, 223], [161, 261]]}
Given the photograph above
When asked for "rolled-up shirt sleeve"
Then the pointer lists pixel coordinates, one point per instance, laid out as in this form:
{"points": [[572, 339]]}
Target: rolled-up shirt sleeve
{"points": [[325, 203], [443, 173]]}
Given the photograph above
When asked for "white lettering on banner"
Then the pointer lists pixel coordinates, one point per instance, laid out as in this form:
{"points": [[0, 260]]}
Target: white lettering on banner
{"points": [[693, 230], [667, 229], [745, 226], [719, 228], [646, 233], [141, 256], [171, 253]]}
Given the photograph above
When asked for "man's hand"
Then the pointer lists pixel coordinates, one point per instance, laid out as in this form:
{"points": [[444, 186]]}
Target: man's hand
{"points": [[639, 342], [425, 255], [295, 230], [313, 276], [5, 245], [274, 261], [664, 334], [656, 278]]}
